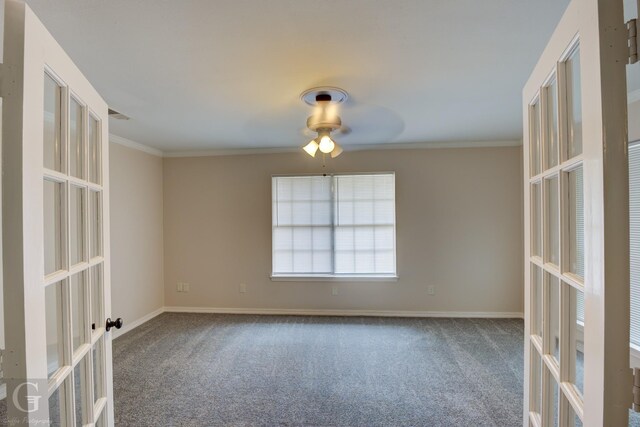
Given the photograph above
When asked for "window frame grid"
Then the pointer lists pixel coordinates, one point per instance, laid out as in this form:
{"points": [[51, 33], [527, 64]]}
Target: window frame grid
{"points": [[332, 276]]}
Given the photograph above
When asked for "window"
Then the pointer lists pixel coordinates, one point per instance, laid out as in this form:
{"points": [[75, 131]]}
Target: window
{"points": [[334, 225], [634, 240]]}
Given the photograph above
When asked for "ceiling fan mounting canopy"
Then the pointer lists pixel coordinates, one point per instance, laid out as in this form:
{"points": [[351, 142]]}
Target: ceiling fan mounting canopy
{"points": [[325, 99], [330, 94]]}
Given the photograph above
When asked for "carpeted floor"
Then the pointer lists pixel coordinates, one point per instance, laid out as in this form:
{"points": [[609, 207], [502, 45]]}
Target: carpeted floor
{"points": [[237, 370], [232, 370]]}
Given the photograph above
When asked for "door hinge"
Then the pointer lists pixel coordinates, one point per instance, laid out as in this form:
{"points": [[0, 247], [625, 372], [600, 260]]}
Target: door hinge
{"points": [[635, 406], [632, 40]]}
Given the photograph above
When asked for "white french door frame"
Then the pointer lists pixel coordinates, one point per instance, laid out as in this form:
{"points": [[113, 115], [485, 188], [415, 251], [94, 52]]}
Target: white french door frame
{"points": [[598, 26], [29, 52]]}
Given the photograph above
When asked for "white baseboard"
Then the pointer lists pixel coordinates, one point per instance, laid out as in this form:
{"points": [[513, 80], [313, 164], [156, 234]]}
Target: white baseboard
{"points": [[362, 313], [129, 326]]}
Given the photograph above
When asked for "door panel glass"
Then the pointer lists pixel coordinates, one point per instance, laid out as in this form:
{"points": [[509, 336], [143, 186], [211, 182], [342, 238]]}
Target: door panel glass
{"points": [[551, 131], [575, 223], [53, 226], [576, 337], [553, 326], [56, 405], [77, 228], [99, 385], [536, 381], [570, 417], [94, 151], [95, 223], [76, 140], [536, 219], [97, 316], [52, 148], [79, 392], [574, 104], [102, 419], [78, 318], [552, 215], [536, 283], [535, 146], [53, 314], [551, 404]]}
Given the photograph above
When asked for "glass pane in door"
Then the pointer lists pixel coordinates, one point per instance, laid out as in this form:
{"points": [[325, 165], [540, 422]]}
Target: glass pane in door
{"points": [[575, 222], [574, 104], [76, 140], [576, 337], [53, 226], [537, 295], [536, 219], [53, 314], [56, 405], [80, 393], [99, 386], [52, 137], [570, 418], [94, 151], [536, 381], [78, 317], [551, 407], [553, 326], [77, 197], [551, 131], [535, 146], [552, 216], [102, 419], [97, 316], [95, 223]]}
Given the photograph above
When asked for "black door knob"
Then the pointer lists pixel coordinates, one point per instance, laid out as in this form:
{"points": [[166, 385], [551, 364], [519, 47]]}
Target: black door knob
{"points": [[114, 324]]}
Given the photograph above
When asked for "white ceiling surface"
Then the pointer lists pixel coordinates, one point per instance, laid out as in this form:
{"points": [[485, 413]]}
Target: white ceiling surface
{"points": [[227, 74]]}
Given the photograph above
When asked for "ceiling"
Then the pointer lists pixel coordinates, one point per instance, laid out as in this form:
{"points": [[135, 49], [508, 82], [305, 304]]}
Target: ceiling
{"points": [[227, 74]]}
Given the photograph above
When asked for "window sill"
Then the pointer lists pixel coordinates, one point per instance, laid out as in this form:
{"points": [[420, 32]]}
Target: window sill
{"points": [[359, 278]]}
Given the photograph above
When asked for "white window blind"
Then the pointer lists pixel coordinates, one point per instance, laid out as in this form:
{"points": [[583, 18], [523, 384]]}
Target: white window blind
{"points": [[579, 238], [341, 225], [634, 240]]}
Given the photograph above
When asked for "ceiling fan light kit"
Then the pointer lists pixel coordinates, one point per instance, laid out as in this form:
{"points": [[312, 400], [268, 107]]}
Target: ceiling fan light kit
{"points": [[325, 119]]}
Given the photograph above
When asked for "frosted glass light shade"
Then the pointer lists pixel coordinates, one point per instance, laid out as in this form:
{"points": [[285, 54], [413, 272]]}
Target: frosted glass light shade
{"points": [[336, 151], [311, 148]]}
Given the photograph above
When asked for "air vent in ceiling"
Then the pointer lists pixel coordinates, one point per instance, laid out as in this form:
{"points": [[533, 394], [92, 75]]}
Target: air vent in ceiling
{"points": [[116, 115]]}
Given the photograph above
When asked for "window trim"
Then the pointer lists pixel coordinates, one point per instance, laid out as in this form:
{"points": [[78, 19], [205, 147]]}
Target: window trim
{"points": [[325, 277]]}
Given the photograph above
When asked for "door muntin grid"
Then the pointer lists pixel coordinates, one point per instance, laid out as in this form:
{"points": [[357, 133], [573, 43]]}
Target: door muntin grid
{"points": [[555, 138], [74, 280]]}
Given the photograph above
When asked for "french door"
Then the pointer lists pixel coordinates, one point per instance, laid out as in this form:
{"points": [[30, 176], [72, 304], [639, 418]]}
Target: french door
{"points": [[56, 232], [576, 223]]}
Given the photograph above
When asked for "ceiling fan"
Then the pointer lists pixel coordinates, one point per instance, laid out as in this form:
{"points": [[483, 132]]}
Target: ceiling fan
{"points": [[325, 119]]}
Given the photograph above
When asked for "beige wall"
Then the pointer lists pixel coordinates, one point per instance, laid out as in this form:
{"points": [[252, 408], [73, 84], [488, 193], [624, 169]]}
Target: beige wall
{"points": [[459, 228], [136, 233]]}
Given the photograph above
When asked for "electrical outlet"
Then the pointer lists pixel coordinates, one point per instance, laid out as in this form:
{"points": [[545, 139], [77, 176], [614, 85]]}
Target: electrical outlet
{"points": [[431, 290], [334, 290], [185, 287], [243, 288]]}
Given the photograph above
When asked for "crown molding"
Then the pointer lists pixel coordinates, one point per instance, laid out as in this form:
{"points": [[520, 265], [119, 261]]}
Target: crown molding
{"points": [[361, 147], [229, 152], [135, 145]]}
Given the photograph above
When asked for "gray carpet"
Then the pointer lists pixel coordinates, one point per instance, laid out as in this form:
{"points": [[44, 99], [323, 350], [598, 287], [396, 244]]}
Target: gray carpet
{"points": [[231, 370]]}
